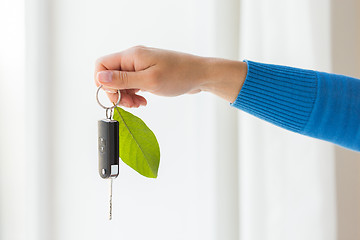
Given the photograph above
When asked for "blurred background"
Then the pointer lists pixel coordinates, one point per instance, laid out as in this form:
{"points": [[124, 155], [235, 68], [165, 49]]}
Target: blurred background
{"points": [[223, 174]]}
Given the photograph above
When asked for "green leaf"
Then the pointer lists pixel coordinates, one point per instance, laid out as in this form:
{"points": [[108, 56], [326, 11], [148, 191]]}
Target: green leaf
{"points": [[138, 145]]}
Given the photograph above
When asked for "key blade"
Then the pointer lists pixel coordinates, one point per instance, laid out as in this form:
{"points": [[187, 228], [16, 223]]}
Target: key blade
{"points": [[110, 213]]}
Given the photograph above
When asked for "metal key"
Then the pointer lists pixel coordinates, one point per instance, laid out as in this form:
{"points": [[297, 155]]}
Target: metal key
{"points": [[108, 145], [110, 213], [109, 152]]}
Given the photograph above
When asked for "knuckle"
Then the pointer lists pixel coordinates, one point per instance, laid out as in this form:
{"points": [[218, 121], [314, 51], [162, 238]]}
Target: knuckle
{"points": [[99, 61], [139, 47], [138, 50], [124, 79]]}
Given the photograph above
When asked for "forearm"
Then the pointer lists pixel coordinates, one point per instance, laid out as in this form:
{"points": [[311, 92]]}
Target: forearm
{"points": [[320, 105]]}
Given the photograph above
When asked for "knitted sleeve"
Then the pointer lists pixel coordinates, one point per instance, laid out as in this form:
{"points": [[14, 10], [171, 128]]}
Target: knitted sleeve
{"points": [[317, 104]]}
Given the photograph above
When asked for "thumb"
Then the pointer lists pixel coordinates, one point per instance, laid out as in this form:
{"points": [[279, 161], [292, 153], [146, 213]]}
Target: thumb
{"points": [[120, 79]]}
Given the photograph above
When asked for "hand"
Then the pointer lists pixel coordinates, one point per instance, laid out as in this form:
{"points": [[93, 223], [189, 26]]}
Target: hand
{"points": [[166, 73]]}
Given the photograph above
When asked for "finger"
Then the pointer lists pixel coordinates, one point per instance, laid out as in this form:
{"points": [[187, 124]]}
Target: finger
{"points": [[111, 90], [194, 91], [122, 79], [137, 101], [128, 99], [140, 100], [115, 61], [124, 60], [114, 97], [134, 90]]}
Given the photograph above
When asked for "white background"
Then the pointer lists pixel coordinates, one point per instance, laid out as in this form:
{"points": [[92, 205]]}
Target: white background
{"points": [[223, 174]]}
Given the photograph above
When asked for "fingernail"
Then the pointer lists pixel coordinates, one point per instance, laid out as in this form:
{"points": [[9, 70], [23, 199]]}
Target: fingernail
{"points": [[105, 76]]}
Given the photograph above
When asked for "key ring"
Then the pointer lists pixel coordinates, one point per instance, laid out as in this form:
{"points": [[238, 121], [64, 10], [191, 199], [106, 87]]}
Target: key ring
{"points": [[107, 108]]}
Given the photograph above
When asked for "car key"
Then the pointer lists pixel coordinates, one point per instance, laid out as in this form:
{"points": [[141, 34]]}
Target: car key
{"points": [[108, 132], [108, 146], [109, 152]]}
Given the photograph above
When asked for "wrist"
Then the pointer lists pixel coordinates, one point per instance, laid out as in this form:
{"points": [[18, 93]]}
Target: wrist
{"points": [[224, 78]]}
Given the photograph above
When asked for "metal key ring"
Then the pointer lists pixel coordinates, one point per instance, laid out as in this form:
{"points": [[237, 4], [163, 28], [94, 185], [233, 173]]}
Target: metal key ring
{"points": [[112, 107]]}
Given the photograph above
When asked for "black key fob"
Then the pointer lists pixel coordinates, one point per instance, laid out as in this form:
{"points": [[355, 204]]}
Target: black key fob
{"points": [[108, 141]]}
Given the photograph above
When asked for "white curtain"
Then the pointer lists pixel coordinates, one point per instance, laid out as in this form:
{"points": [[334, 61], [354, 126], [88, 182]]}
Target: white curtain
{"points": [[287, 181], [50, 187]]}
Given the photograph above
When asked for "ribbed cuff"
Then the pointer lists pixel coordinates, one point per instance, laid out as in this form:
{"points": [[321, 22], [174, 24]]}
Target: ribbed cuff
{"points": [[284, 96]]}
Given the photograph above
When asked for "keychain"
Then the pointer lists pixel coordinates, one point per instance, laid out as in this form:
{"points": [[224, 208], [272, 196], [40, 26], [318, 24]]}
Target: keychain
{"points": [[108, 145]]}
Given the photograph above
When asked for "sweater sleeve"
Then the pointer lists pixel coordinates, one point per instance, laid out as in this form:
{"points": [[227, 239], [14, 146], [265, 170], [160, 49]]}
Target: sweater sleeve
{"points": [[317, 104]]}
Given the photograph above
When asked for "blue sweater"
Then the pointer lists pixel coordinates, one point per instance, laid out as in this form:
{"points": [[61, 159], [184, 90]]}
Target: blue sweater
{"points": [[316, 104]]}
